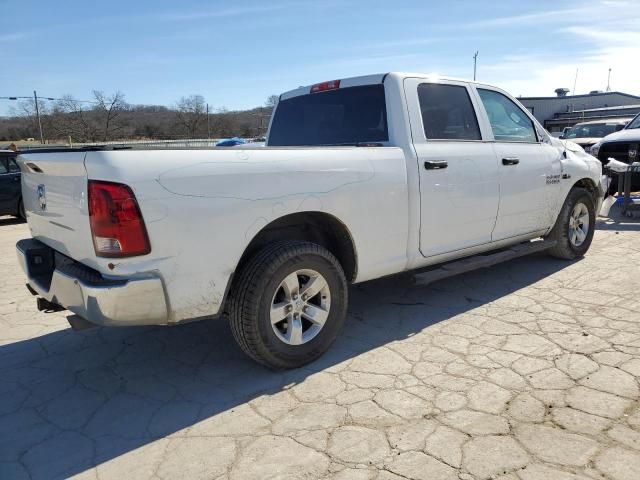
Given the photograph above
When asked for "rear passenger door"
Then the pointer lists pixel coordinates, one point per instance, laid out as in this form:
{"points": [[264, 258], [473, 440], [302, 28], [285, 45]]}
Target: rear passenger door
{"points": [[458, 170], [529, 167]]}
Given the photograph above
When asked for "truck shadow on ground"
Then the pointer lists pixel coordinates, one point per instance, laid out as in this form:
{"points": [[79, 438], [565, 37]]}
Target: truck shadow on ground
{"points": [[74, 400], [6, 221]]}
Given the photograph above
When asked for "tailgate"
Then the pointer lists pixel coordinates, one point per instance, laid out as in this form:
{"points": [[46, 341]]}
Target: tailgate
{"points": [[54, 190]]}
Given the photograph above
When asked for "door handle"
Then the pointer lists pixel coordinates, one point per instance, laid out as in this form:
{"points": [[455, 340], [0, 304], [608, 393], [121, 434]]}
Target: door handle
{"points": [[510, 161], [435, 164]]}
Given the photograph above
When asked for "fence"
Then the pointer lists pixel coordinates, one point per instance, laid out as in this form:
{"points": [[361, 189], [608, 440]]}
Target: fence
{"points": [[183, 143]]}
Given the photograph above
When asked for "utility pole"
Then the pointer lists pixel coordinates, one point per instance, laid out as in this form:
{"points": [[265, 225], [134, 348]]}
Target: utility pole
{"points": [[609, 81], [208, 124], [475, 62], [575, 80], [35, 97]]}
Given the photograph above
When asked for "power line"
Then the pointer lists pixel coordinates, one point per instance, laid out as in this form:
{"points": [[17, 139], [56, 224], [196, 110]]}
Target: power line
{"points": [[48, 98], [36, 103]]}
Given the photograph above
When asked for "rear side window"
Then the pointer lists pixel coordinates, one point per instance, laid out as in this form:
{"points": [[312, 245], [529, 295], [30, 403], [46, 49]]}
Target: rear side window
{"points": [[447, 112], [345, 116], [508, 122]]}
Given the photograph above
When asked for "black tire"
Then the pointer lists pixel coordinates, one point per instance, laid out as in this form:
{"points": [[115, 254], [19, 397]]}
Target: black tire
{"points": [[564, 248], [253, 291]]}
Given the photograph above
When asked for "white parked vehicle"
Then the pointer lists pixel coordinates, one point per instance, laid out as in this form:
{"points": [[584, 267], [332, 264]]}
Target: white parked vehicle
{"points": [[361, 178], [587, 134]]}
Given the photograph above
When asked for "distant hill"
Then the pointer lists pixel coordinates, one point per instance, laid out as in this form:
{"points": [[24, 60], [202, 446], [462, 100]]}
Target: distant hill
{"points": [[113, 119]]}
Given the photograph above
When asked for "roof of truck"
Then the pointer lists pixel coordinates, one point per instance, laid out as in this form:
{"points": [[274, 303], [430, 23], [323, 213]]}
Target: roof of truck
{"points": [[372, 79]]}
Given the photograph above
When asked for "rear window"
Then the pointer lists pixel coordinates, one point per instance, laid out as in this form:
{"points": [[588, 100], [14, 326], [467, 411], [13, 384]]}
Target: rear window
{"points": [[345, 116]]}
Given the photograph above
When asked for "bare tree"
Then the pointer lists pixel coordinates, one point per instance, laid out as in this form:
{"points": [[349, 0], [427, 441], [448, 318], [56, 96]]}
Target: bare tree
{"points": [[191, 114], [272, 101], [110, 118], [69, 118], [27, 110], [110, 109]]}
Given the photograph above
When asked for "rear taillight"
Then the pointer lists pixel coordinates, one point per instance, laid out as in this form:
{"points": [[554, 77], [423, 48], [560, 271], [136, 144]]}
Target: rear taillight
{"points": [[324, 86], [116, 222]]}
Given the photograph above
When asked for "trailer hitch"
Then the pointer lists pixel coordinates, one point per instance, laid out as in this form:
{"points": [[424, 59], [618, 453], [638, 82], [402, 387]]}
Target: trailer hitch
{"points": [[46, 306]]}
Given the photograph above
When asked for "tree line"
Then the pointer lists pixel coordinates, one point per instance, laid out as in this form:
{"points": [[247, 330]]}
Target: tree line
{"points": [[109, 117]]}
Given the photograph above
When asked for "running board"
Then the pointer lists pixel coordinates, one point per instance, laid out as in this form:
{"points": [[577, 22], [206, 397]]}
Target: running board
{"points": [[475, 262]]}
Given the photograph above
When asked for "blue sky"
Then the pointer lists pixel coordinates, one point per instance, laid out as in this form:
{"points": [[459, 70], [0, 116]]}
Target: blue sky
{"points": [[237, 53]]}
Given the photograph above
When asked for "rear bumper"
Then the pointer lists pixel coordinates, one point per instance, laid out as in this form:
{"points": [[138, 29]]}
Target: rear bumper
{"points": [[103, 301]]}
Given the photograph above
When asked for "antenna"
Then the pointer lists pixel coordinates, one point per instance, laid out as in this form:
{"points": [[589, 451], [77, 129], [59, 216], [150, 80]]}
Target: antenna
{"points": [[475, 62], [574, 83], [609, 81]]}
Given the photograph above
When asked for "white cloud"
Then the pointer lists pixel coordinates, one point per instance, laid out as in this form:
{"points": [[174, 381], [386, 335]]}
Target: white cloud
{"points": [[609, 38], [529, 18], [220, 13], [14, 37]]}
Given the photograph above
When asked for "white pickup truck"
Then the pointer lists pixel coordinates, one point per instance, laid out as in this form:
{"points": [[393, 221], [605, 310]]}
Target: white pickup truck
{"points": [[361, 178]]}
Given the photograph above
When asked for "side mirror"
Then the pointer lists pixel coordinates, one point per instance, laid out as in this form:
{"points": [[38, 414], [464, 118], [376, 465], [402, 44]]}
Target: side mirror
{"points": [[561, 137]]}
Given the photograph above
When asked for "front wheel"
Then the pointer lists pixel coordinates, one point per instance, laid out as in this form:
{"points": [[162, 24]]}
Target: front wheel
{"points": [[288, 304], [575, 226]]}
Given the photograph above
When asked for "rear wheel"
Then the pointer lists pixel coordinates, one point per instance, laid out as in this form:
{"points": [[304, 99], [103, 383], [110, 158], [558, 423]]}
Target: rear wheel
{"points": [[21, 212], [575, 226], [288, 304]]}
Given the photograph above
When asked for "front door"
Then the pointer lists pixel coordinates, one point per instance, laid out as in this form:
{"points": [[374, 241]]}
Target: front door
{"points": [[529, 168], [458, 171]]}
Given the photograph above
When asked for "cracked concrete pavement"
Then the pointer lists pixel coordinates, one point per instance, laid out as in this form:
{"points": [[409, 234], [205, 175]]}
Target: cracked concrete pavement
{"points": [[526, 371]]}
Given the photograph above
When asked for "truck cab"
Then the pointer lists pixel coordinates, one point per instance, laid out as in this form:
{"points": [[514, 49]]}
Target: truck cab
{"points": [[482, 169]]}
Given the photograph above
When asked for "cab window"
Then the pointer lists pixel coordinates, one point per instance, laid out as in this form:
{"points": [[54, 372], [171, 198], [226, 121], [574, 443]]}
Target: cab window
{"points": [[447, 112], [508, 122]]}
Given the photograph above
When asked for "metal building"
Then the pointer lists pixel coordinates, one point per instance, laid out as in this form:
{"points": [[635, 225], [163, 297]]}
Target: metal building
{"points": [[564, 110]]}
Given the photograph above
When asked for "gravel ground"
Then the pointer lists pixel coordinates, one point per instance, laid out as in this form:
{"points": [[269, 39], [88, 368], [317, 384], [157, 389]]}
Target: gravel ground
{"points": [[525, 371]]}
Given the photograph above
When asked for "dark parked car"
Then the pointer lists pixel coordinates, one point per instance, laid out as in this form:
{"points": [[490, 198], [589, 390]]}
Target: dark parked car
{"points": [[10, 185]]}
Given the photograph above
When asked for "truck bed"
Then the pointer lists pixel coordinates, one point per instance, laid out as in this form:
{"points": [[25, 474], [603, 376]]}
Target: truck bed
{"points": [[202, 207]]}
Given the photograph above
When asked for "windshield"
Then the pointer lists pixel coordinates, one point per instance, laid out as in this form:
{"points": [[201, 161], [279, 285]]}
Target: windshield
{"points": [[345, 116], [635, 123], [594, 130]]}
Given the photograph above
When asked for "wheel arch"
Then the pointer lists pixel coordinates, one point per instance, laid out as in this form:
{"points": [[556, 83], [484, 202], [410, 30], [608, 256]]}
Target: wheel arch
{"points": [[317, 227], [589, 185]]}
